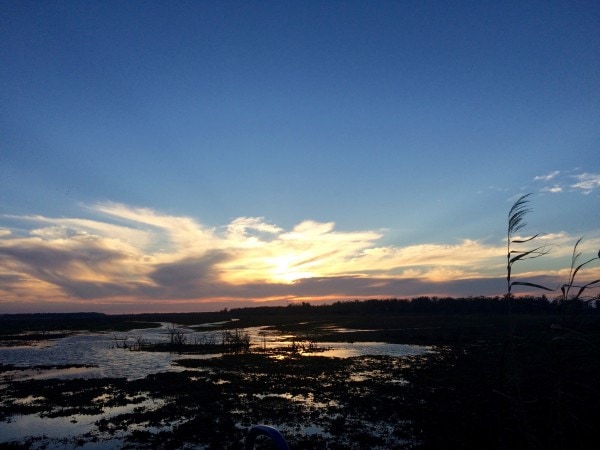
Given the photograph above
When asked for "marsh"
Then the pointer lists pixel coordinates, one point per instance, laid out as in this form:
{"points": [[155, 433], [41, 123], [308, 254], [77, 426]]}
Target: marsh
{"points": [[327, 379]]}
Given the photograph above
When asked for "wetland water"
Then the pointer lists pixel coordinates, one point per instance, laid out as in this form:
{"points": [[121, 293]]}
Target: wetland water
{"points": [[99, 352], [99, 356]]}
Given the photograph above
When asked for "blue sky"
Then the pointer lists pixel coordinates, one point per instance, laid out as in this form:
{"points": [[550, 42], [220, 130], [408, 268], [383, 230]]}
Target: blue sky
{"points": [[159, 156]]}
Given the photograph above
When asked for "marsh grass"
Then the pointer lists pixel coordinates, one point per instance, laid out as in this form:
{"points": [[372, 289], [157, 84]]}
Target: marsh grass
{"points": [[560, 354], [516, 222], [571, 304], [512, 390]]}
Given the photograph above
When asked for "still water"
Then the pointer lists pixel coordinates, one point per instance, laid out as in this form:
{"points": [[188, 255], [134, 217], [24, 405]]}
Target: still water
{"points": [[95, 350], [101, 353]]}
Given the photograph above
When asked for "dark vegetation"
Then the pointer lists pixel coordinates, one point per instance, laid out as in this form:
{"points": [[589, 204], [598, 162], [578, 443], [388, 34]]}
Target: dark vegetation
{"points": [[294, 312]]}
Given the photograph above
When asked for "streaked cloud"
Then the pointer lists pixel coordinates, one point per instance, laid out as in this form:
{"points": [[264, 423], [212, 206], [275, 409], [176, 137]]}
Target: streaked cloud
{"points": [[182, 234], [552, 189], [123, 255], [586, 182], [548, 176]]}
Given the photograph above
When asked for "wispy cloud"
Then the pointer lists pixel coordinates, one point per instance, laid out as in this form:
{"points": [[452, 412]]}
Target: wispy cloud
{"points": [[123, 254], [587, 182], [547, 177], [552, 189], [584, 182]]}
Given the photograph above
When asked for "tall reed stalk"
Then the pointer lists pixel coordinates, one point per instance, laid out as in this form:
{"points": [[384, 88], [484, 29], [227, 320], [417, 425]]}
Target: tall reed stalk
{"points": [[516, 222], [566, 289], [565, 347], [514, 254]]}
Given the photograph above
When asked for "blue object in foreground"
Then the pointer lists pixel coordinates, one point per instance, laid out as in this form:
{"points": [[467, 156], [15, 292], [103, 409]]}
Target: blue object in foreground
{"points": [[264, 430]]}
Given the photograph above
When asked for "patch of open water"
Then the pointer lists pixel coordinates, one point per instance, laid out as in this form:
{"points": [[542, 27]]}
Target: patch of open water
{"points": [[100, 354], [99, 351], [61, 432]]}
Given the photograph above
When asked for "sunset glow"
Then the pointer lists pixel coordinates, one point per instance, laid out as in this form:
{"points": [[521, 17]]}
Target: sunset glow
{"points": [[153, 257], [209, 155]]}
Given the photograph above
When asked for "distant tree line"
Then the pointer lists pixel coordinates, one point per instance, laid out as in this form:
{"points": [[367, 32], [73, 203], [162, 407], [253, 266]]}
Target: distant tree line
{"points": [[10, 323], [426, 305]]}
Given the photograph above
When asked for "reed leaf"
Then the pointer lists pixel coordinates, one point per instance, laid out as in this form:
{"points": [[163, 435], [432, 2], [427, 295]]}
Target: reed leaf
{"points": [[522, 241], [516, 222], [584, 287], [525, 283], [580, 266], [529, 254], [566, 288]]}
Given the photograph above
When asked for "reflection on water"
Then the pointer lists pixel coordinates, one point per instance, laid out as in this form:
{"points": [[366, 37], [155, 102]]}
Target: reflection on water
{"points": [[95, 350], [100, 353], [308, 399], [58, 431], [349, 350], [262, 338]]}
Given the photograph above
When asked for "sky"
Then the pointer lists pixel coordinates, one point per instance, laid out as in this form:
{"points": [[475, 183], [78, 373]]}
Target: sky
{"points": [[195, 155]]}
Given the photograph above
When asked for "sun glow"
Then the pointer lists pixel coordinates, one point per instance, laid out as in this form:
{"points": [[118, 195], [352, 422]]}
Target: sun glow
{"points": [[172, 259], [286, 268]]}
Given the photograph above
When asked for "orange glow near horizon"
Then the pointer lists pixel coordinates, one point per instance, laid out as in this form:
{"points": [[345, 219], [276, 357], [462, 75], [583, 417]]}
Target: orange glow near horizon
{"points": [[156, 260]]}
